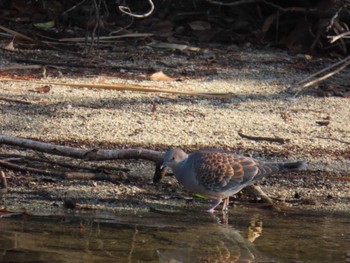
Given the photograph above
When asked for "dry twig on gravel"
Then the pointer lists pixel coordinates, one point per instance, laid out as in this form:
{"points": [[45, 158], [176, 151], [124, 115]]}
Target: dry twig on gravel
{"points": [[258, 138], [133, 88], [305, 83]]}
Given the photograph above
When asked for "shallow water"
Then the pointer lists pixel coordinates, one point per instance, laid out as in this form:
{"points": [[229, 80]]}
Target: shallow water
{"points": [[244, 235]]}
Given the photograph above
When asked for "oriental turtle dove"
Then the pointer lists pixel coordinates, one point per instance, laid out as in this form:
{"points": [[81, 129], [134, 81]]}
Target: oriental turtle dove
{"points": [[218, 174]]}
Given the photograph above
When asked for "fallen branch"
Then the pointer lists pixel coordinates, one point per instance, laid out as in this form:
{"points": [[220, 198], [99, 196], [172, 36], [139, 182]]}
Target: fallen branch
{"points": [[85, 154]]}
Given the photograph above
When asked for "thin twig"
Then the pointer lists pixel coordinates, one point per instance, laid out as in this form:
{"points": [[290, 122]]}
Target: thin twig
{"points": [[45, 159], [341, 43], [16, 167], [15, 33], [15, 100], [241, 2], [342, 35], [97, 23], [323, 70], [79, 65], [289, 9], [258, 138], [81, 39], [280, 8], [126, 10], [65, 175], [346, 62], [331, 22], [133, 88], [73, 7]]}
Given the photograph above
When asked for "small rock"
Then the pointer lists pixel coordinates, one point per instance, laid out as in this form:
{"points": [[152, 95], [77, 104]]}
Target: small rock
{"points": [[297, 195], [69, 204]]}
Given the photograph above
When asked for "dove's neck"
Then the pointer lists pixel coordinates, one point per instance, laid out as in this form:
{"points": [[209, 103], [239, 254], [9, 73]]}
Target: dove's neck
{"points": [[184, 174], [180, 169]]}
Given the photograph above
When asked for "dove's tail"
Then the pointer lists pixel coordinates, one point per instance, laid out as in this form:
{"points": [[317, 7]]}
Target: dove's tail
{"points": [[265, 169], [293, 165]]}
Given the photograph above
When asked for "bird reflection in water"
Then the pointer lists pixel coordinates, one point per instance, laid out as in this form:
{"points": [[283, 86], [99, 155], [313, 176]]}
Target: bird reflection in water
{"points": [[255, 228], [218, 242]]}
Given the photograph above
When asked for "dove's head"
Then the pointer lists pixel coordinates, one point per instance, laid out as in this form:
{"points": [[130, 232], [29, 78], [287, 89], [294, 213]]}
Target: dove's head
{"points": [[173, 157]]}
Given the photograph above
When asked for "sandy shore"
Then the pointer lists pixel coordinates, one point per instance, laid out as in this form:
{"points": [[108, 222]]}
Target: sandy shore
{"points": [[313, 128]]}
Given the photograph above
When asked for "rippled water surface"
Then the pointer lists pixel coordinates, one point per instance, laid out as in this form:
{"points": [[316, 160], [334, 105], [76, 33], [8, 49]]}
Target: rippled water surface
{"points": [[244, 235]]}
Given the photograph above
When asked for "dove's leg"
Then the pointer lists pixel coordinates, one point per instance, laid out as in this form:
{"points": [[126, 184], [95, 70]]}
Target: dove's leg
{"points": [[226, 202], [213, 205]]}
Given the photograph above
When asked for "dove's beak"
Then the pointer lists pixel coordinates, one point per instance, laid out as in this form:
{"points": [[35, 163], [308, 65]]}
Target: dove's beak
{"points": [[163, 166]]}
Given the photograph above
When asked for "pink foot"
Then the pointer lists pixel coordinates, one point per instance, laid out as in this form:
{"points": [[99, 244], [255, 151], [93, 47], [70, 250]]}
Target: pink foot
{"points": [[213, 205], [225, 205]]}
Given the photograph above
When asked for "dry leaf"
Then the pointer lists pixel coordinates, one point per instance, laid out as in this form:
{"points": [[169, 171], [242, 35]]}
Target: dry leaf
{"points": [[323, 123], [160, 76], [174, 46], [45, 25], [200, 25], [10, 46], [43, 89]]}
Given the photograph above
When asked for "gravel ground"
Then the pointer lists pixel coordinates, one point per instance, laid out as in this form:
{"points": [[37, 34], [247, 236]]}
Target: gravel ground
{"points": [[314, 128]]}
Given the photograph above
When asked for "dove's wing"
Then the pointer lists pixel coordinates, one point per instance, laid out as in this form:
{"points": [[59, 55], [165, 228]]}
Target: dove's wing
{"points": [[221, 171]]}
